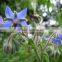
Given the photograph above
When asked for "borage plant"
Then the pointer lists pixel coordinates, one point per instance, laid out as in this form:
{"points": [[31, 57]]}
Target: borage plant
{"points": [[16, 21]]}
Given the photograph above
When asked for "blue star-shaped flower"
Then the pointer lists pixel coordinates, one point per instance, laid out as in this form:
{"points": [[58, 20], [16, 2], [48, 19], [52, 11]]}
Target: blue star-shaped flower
{"points": [[15, 19], [58, 39]]}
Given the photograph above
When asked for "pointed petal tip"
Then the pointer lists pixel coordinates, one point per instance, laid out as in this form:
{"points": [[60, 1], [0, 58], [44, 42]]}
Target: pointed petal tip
{"points": [[1, 20]]}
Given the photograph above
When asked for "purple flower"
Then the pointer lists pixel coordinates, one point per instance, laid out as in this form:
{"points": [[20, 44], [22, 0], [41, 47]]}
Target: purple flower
{"points": [[57, 41], [16, 19]]}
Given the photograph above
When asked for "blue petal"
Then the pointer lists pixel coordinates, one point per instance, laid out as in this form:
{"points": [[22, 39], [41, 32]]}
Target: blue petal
{"points": [[22, 14], [56, 41], [7, 24], [1, 20], [60, 36], [24, 23], [9, 13]]}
